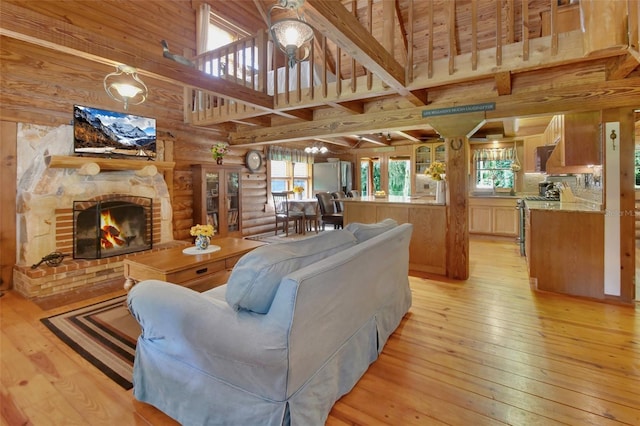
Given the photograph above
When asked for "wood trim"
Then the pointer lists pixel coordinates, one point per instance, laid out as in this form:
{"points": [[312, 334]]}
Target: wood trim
{"points": [[61, 162], [8, 154]]}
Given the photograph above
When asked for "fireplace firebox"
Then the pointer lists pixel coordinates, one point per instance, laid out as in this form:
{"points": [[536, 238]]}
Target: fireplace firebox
{"points": [[113, 227]]}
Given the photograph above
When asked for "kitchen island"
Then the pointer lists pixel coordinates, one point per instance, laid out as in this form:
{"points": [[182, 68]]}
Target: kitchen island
{"points": [[428, 246], [565, 247]]}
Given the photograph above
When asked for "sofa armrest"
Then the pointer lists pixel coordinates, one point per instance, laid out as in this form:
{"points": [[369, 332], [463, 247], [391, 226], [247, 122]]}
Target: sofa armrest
{"points": [[204, 331]]}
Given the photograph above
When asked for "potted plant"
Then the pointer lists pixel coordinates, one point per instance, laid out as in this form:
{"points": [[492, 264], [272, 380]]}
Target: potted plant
{"points": [[203, 234], [219, 150], [437, 171], [298, 190]]}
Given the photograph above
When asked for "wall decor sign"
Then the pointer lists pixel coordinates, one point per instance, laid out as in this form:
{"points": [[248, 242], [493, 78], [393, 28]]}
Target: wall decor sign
{"points": [[487, 106]]}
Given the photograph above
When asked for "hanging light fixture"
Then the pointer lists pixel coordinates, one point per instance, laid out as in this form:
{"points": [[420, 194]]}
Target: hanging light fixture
{"points": [[289, 34], [316, 148], [124, 85]]}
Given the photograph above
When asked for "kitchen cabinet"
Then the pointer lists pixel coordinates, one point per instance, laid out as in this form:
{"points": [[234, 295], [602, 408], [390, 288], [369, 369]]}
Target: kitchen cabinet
{"points": [[217, 199], [493, 216], [428, 246], [565, 251], [581, 137], [578, 140], [427, 153]]}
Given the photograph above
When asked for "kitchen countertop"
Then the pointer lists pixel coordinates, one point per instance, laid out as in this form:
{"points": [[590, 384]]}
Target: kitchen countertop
{"points": [[578, 206], [515, 197]]}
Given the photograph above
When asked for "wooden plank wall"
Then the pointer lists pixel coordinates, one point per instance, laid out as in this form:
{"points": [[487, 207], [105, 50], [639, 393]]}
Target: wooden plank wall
{"points": [[40, 86]]}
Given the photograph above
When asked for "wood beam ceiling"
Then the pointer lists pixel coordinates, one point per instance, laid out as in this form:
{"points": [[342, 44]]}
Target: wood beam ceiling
{"points": [[607, 94], [28, 26], [333, 20]]}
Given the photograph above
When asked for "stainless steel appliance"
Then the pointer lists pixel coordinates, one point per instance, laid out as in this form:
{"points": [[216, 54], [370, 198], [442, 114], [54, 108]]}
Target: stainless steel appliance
{"points": [[521, 226], [330, 177], [521, 207]]}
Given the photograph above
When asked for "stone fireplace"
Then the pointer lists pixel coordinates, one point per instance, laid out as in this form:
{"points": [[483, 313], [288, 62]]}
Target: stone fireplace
{"points": [[56, 206]]}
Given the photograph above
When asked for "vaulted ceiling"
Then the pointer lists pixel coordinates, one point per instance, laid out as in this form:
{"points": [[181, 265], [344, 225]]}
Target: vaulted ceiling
{"points": [[425, 33]]}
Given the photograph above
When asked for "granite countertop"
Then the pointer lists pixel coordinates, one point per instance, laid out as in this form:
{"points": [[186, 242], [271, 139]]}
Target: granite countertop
{"points": [[515, 197], [578, 206]]}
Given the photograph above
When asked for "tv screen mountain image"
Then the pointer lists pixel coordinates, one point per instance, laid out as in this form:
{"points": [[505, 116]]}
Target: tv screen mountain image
{"points": [[112, 134]]}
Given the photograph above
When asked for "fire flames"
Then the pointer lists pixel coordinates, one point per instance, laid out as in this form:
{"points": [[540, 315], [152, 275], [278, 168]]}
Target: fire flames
{"points": [[110, 235]]}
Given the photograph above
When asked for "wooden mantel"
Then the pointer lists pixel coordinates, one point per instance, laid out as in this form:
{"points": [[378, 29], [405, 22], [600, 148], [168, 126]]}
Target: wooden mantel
{"points": [[93, 165]]}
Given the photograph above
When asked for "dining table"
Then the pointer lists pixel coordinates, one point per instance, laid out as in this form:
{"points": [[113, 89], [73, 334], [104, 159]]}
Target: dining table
{"points": [[310, 208]]}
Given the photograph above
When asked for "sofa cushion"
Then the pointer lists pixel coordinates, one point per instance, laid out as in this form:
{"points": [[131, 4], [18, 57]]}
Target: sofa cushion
{"points": [[255, 278], [364, 231]]}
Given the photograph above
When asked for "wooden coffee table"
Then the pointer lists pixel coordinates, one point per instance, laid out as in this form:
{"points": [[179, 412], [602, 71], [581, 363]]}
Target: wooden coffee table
{"points": [[172, 265]]}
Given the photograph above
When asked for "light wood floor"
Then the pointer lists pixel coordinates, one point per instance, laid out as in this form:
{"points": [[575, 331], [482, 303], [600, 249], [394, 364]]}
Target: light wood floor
{"points": [[484, 351]]}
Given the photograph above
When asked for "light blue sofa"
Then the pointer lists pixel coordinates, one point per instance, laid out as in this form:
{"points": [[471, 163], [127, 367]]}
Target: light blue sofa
{"points": [[329, 303]]}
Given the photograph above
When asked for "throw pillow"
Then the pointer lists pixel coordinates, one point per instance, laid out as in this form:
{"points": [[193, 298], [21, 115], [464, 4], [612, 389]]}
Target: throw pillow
{"points": [[364, 231], [255, 278]]}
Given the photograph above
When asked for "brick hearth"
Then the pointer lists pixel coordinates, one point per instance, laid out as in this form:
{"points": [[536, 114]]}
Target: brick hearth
{"points": [[73, 274]]}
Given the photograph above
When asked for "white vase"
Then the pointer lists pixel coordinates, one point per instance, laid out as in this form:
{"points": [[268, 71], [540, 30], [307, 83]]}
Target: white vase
{"points": [[298, 195], [441, 195]]}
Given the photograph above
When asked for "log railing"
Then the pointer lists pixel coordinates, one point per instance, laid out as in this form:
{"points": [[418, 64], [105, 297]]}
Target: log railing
{"points": [[332, 76]]}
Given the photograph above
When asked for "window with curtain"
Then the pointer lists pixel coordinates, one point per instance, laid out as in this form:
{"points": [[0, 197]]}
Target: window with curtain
{"points": [[493, 168], [289, 168]]}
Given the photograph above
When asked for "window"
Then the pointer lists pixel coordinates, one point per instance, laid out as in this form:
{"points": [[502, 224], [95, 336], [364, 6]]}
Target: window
{"points": [[370, 181], [493, 168], [221, 33], [400, 176], [286, 174]]}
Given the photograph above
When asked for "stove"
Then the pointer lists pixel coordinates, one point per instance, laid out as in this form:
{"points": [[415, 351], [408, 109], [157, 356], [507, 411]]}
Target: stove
{"points": [[541, 198]]}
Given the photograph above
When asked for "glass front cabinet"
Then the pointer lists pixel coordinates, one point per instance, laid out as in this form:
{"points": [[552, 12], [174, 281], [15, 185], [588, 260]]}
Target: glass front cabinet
{"points": [[423, 155], [217, 199], [427, 153]]}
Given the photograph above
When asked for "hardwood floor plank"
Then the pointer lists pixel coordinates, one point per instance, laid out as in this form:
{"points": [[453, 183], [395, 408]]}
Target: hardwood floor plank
{"points": [[485, 351]]}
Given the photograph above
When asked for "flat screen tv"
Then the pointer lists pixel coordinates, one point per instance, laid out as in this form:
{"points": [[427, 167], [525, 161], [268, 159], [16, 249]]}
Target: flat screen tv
{"points": [[98, 132]]}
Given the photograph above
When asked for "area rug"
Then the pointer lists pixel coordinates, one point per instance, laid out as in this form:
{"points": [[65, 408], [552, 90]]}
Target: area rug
{"points": [[104, 334]]}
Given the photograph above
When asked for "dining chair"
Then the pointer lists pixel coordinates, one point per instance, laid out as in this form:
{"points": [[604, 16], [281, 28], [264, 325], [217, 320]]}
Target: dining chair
{"points": [[328, 211], [284, 215], [353, 193], [337, 195], [312, 220]]}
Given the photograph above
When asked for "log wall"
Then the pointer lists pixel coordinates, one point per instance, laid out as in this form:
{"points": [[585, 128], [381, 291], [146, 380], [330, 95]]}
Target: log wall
{"points": [[41, 85]]}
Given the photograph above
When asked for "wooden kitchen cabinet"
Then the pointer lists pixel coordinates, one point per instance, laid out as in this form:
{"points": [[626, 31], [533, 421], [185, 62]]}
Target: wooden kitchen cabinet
{"points": [[565, 252], [480, 219], [217, 199], [582, 141], [493, 216], [579, 143]]}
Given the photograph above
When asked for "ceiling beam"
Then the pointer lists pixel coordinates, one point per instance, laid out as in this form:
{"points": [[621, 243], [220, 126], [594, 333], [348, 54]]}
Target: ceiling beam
{"points": [[607, 94], [353, 107], [503, 82], [622, 66], [333, 20], [31, 27]]}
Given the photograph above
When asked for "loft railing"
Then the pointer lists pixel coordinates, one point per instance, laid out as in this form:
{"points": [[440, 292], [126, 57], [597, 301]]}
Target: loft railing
{"points": [[332, 76]]}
